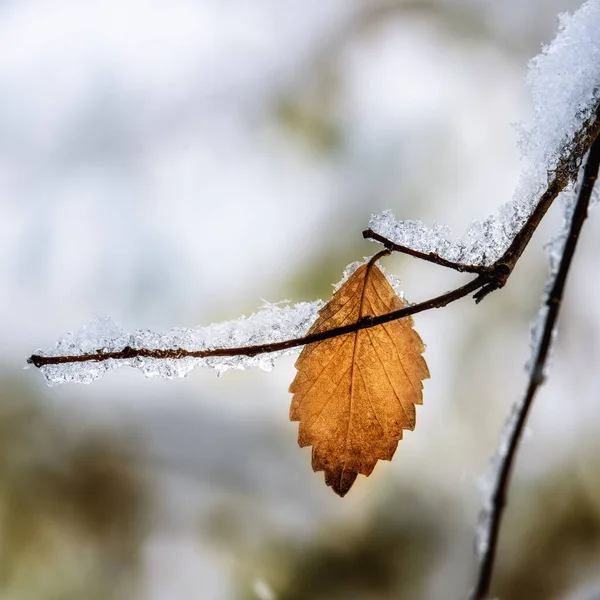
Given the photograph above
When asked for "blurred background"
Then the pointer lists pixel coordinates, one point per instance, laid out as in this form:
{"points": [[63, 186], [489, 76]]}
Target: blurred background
{"points": [[173, 164]]}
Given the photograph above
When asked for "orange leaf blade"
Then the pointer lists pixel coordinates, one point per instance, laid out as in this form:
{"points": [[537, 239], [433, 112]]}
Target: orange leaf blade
{"points": [[355, 394]]}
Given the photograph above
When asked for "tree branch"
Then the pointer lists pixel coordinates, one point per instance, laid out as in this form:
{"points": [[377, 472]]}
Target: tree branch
{"points": [[489, 278], [175, 353], [431, 257], [553, 302]]}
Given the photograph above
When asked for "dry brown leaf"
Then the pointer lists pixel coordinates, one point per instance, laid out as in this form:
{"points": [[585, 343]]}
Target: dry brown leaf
{"points": [[355, 393]]}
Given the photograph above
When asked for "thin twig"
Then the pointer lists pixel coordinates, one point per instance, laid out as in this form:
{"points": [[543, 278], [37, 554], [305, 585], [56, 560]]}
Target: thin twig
{"points": [[431, 257], [175, 353], [553, 302]]}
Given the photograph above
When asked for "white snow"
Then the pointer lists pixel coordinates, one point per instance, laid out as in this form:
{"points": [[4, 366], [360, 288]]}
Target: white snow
{"points": [[273, 323], [565, 86], [489, 480], [554, 248], [482, 244]]}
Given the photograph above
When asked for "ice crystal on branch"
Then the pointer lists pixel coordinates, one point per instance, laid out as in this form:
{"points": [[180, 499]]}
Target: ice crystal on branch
{"points": [[483, 243], [488, 482], [274, 323]]}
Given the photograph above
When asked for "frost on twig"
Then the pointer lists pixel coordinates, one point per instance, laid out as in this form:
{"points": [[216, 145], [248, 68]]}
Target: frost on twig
{"points": [[565, 85], [488, 482], [554, 248], [274, 322], [483, 243]]}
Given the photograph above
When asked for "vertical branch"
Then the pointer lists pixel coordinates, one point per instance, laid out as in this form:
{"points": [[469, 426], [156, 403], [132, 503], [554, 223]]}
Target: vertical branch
{"points": [[517, 422]]}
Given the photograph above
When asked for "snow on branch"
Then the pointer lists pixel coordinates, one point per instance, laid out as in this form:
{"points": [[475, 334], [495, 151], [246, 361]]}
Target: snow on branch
{"points": [[102, 344], [564, 80], [274, 322]]}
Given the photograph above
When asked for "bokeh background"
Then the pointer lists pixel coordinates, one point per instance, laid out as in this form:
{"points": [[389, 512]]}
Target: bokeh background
{"points": [[173, 164]]}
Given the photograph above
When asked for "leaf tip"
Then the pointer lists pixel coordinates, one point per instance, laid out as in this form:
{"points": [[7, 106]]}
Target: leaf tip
{"points": [[340, 480]]}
